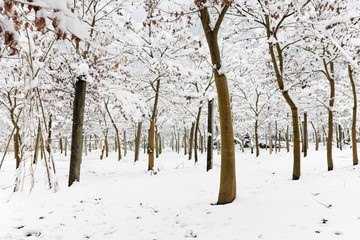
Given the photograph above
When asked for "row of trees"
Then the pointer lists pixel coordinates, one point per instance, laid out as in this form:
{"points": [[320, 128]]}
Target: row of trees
{"points": [[153, 65]]}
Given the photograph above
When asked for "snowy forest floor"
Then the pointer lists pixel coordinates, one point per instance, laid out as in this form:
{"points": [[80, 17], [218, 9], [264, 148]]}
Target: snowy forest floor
{"points": [[122, 201]]}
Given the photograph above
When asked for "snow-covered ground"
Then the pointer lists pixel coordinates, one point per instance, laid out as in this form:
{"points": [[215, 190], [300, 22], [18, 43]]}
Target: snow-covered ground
{"points": [[122, 201]]}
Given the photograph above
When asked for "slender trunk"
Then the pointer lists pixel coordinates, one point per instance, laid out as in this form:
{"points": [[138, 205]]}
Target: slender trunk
{"points": [[137, 141], [257, 138], [209, 158], [340, 137], [66, 146], [152, 128], [305, 135], [90, 143], [278, 69], [185, 142], [37, 144], [77, 131], [156, 142], [270, 140], [151, 145], [316, 136], [276, 130], [196, 134], [191, 139], [353, 126], [125, 144], [330, 114], [61, 145]]}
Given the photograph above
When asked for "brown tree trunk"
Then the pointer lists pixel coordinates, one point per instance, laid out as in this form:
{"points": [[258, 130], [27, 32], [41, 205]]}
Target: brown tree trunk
{"points": [[353, 126], [278, 68], [227, 191], [152, 128], [196, 134], [191, 139], [137, 141], [125, 144], [316, 136], [257, 138], [330, 114], [37, 144], [77, 131], [185, 142]]}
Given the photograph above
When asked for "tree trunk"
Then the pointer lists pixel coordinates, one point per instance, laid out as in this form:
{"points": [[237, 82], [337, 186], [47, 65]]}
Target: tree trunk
{"points": [[137, 141], [257, 138], [156, 142], [61, 145], [191, 139], [152, 127], [276, 130], [278, 69], [77, 131], [305, 135], [340, 137], [353, 126], [209, 158], [37, 144], [330, 114], [185, 142], [316, 136], [196, 134], [125, 144], [270, 140], [66, 146], [151, 145]]}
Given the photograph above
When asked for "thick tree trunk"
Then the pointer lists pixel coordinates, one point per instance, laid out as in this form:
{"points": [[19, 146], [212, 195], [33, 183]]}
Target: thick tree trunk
{"points": [[137, 141], [227, 191], [77, 132], [353, 126]]}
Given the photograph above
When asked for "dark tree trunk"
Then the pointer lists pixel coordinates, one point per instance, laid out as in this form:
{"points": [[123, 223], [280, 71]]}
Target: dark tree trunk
{"points": [[137, 141], [77, 131], [191, 139], [209, 161]]}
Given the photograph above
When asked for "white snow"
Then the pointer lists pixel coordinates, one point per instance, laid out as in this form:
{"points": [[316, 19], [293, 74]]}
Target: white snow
{"points": [[121, 200]]}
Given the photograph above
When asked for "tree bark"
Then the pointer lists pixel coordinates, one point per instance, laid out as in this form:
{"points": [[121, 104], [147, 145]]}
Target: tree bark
{"points": [[209, 158], [152, 128], [77, 131], [257, 138], [227, 191], [37, 144], [305, 135], [191, 139], [330, 114], [137, 141], [353, 126], [278, 68], [196, 134]]}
